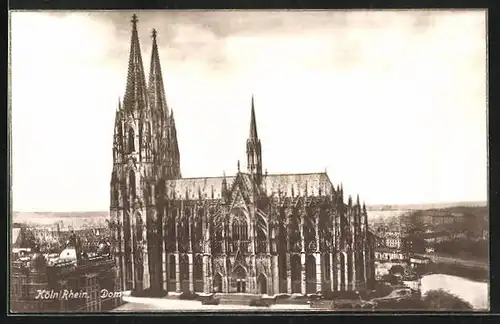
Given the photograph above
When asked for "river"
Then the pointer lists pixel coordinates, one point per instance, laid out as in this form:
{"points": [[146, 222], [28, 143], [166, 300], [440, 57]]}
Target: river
{"points": [[474, 292]]}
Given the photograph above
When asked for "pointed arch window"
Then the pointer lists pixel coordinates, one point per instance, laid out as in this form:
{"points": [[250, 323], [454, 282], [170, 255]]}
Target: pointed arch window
{"points": [[131, 177], [215, 232], [198, 267], [184, 267], [326, 273], [199, 226], [282, 266], [171, 267], [218, 231], [296, 267], [240, 230], [114, 189], [131, 139], [183, 236], [235, 230], [282, 236], [310, 267], [294, 233], [171, 231]]}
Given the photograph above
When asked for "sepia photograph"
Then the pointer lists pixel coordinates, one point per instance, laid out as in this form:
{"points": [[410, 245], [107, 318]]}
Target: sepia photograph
{"points": [[167, 161]]}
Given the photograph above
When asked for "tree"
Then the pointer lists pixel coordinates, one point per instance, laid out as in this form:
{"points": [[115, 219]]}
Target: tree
{"points": [[442, 300]]}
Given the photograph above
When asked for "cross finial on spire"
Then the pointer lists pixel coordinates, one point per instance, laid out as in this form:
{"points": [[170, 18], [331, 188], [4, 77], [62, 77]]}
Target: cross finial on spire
{"points": [[153, 34], [238, 165], [134, 20]]}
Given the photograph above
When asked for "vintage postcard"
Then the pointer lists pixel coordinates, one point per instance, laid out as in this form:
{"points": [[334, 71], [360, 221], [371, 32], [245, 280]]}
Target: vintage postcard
{"points": [[212, 161]]}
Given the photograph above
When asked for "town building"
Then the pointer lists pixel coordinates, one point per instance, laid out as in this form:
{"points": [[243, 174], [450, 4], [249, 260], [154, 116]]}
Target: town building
{"points": [[388, 254], [394, 241], [251, 232], [46, 233], [71, 284]]}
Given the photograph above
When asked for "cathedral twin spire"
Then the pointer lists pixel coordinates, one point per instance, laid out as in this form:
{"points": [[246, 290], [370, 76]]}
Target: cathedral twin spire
{"points": [[155, 86], [135, 92], [147, 106]]}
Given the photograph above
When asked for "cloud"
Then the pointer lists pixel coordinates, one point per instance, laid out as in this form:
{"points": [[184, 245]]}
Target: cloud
{"points": [[392, 103]]}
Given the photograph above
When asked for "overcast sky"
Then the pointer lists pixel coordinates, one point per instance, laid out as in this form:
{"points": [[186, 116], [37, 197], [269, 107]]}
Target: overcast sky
{"points": [[392, 103]]}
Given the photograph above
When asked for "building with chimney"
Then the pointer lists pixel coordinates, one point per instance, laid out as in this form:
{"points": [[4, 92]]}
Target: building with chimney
{"points": [[250, 232]]}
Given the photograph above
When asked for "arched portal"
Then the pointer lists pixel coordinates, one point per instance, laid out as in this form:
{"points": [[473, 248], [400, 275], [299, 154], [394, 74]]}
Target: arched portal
{"points": [[239, 279], [262, 284], [218, 282]]}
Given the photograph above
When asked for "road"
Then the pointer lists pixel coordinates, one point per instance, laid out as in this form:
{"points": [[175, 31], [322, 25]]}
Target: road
{"points": [[452, 260]]}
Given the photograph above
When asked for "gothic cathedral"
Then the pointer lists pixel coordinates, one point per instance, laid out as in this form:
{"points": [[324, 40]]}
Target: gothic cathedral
{"points": [[252, 232]]}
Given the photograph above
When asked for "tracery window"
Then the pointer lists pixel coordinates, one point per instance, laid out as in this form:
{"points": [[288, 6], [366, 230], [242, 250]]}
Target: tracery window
{"points": [[282, 237], [199, 226], [131, 139], [198, 267], [294, 233], [216, 236], [131, 182], [183, 231], [295, 267], [171, 267], [184, 267], [282, 265], [326, 273], [240, 230], [310, 267]]}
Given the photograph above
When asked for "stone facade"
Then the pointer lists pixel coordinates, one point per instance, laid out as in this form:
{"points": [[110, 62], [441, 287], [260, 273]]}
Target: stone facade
{"points": [[252, 232]]}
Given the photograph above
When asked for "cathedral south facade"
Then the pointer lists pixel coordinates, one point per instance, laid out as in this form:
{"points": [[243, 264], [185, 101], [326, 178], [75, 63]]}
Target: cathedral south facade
{"points": [[251, 232]]}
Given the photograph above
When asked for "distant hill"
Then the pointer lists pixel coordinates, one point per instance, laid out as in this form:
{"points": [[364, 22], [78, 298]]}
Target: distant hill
{"points": [[376, 216], [375, 213], [426, 206], [61, 214], [74, 219]]}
